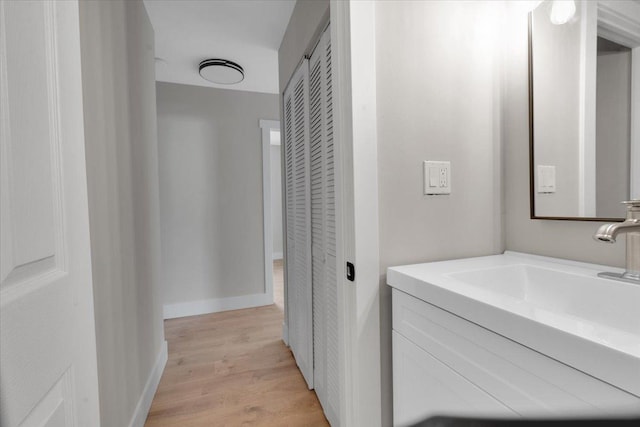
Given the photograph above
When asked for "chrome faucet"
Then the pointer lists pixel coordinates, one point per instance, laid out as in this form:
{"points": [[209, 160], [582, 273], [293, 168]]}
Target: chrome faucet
{"points": [[631, 227]]}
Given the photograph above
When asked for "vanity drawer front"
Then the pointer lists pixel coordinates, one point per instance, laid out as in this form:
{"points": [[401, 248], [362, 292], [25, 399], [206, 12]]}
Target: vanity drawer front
{"points": [[424, 387], [526, 381]]}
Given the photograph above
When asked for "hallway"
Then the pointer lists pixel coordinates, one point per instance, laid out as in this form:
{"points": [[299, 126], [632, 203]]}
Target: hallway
{"points": [[232, 369]]}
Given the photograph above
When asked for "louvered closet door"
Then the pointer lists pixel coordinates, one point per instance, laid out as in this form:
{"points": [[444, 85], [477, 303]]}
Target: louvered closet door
{"points": [[298, 256], [323, 230]]}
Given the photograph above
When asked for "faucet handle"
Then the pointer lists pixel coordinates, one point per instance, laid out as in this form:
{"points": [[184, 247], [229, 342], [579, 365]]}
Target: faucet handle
{"points": [[633, 208]]}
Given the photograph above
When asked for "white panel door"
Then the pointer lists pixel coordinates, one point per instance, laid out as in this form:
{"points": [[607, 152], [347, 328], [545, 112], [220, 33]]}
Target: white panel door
{"points": [[323, 230], [47, 332], [298, 256]]}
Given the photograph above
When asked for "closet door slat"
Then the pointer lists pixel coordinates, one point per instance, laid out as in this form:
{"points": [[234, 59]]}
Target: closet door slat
{"points": [[312, 293], [325, 301], [316, 112], [298, 228], [333, 386]]}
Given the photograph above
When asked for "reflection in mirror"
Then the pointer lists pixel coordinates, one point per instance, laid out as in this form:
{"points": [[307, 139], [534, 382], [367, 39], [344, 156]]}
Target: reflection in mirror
{"points": [[613, 125], [585, 111]]}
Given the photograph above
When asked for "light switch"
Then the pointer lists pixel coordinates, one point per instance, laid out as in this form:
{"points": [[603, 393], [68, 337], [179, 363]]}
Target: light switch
{"points": [[437, 177], [546, 179], [434, 176]]}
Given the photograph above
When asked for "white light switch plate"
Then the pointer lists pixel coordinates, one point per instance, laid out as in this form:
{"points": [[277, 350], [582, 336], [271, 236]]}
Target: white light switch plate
{"points": [[437, 177], [546, 179]]}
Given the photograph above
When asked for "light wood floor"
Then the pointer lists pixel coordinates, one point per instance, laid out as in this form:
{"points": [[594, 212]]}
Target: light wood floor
{"points": [[232, 369]]}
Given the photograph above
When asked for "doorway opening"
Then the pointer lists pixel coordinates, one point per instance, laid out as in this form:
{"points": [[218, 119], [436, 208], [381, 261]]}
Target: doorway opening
{"points": [[276, 219], [272, 203]]}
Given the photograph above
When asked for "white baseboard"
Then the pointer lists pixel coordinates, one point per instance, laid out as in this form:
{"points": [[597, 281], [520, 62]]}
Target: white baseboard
{"points": [[278, 255], [215, 305], [144, 403]]}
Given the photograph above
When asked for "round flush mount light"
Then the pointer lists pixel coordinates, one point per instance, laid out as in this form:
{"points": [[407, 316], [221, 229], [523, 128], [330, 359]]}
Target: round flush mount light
{"points": [[562, 11], [221, 71]]}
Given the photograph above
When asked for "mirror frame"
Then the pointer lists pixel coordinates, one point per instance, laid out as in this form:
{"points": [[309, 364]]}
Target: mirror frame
{"points": [[532, 193]]}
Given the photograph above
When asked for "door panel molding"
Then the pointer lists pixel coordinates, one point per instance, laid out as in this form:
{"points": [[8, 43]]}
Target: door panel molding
{"points": [[32, 266], [48, 360]]}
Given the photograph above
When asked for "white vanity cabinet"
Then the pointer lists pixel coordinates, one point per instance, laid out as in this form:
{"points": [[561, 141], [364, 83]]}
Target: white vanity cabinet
{"points": [[425, 386], [446, 365]]}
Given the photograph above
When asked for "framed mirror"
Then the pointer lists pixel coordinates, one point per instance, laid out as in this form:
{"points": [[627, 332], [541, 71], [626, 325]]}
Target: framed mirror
{"points": [[584, 107]]}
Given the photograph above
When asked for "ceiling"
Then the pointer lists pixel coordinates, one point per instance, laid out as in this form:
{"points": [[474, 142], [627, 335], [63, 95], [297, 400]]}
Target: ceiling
{"points": [[247, 32]]}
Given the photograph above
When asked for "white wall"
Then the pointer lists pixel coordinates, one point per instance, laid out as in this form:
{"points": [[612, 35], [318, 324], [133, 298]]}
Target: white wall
{"points": [[438, 97], [276, 201], [562, 239], [210, 165], [121, 152]]}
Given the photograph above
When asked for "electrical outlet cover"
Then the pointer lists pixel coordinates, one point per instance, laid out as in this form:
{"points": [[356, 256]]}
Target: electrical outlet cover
{"points": [[437, 177]]}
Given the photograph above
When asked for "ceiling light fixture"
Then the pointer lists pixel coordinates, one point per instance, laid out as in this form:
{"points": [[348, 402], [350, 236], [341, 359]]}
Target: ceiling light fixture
{"points": [[221, 71], [562, 11]]}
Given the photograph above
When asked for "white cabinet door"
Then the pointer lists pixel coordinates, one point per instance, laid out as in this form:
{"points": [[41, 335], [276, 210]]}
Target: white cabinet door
{"points": [[47, 332], [323, 230], [298, 229], [424, 387], [529, 383]]}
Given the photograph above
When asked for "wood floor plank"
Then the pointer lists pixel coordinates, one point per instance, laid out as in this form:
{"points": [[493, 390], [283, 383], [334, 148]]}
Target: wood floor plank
{"points": [[232, 369]]}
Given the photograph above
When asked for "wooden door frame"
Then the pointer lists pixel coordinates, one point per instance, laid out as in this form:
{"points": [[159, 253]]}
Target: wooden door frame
{"points": [[356, 151], [356, 175], [266, 126], [634, 171], [618, 21]]}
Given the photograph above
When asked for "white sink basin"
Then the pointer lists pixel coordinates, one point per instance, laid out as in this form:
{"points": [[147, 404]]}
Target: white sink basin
{"points": [[589, 298], [559, 308]]}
